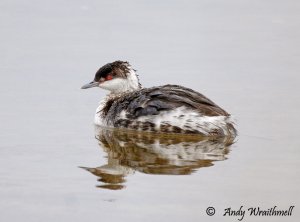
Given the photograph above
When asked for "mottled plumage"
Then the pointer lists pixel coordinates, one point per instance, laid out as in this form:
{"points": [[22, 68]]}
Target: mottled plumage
{"points": [[168, 108]]}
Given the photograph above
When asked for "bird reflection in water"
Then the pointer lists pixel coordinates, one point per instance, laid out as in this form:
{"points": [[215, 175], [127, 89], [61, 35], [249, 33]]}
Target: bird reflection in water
{"points": [[152, 153]]}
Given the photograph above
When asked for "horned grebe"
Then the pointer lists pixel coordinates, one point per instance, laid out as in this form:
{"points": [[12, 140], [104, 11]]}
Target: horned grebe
{"points": [[167, 109]]}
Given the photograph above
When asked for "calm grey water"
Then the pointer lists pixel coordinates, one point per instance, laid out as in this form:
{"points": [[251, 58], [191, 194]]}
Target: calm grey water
{"points": [[244, 55]]}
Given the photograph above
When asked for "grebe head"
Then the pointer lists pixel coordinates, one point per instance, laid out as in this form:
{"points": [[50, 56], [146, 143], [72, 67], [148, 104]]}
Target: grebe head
{"points": [[117, 77]]}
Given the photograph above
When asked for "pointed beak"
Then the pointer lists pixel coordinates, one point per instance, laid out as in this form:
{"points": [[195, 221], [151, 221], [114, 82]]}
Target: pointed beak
{"points": [[90, 85]]}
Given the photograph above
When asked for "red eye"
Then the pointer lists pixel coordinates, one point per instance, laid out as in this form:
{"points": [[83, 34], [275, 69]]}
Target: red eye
{"points": [[109, 77]]}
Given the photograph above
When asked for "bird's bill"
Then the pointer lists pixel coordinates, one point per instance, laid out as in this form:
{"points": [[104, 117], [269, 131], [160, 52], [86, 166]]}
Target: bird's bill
{"points": [[90, 85]]}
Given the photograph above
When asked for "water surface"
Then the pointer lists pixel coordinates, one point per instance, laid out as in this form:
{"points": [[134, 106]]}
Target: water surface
{"points": [[244, 55]]}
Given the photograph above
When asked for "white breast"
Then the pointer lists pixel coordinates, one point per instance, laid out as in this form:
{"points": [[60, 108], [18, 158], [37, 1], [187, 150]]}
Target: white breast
{"points": [[98, 120]]}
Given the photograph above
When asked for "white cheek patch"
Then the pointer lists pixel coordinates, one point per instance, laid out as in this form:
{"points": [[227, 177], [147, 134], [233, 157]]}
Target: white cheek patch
{"points": [[119, 85], [113, 85]]}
